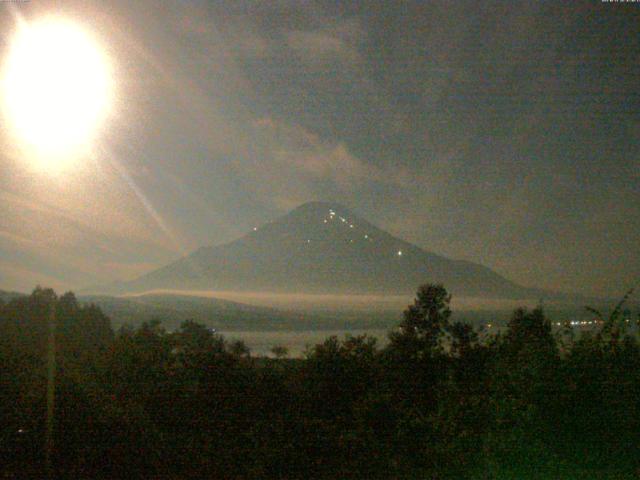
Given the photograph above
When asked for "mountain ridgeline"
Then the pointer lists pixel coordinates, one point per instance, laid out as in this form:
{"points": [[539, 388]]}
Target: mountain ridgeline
{"points": [[324, 248]]}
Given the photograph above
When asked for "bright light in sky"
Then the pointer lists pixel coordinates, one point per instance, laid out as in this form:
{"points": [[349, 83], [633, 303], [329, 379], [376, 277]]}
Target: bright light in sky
{"points": [[56, 89]]}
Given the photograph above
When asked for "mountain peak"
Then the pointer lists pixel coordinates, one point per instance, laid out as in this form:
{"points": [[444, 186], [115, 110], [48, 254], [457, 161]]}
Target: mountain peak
{"points": [[322, 247], [327, 222], [321, 207]]}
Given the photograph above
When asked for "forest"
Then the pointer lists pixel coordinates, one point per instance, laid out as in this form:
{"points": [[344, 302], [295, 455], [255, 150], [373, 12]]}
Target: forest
{"points": [[441, 400]]}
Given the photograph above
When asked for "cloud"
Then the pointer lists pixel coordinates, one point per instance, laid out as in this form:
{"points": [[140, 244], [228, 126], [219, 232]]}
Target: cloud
{"points": [[17, 277], [339, 40], [314, 167], [71, 231]]}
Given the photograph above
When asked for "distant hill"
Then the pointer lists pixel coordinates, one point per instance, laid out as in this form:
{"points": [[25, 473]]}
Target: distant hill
{"points": [[6, 296], [225, 315], [228, 316], [325, 248], [172, 310]]}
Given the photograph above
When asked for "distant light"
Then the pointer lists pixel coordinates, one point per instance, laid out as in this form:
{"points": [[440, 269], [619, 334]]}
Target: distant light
{"points": [[308, 241], [399, 253], [325, 220], [255, 229], [350, 226]]}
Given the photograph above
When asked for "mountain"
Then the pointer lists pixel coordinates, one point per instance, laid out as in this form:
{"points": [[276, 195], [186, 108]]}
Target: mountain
{"points": [[327, 249]]}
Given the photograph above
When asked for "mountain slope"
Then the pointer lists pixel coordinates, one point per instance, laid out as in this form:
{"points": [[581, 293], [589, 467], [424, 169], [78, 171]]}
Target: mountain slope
{"points": [[324, 248]]}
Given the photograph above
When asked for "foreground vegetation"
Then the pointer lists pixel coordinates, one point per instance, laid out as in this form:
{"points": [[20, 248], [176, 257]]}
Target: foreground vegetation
{"points": [[437, 402]]}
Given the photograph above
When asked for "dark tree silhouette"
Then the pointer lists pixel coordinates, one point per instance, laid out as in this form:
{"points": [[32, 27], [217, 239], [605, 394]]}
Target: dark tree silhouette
{"points": [[279, 351], [425, 322], [436, 402]]}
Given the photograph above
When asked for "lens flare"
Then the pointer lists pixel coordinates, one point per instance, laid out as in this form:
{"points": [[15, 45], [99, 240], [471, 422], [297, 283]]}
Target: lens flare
{"points": [[56, 88]]}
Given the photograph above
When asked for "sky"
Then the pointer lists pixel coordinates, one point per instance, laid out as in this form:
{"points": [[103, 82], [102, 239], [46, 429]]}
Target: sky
{"points": [[504, 133]]}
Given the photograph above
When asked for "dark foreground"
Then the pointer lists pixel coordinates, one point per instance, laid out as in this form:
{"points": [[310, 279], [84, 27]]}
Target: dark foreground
{"points": [[142, 403]]}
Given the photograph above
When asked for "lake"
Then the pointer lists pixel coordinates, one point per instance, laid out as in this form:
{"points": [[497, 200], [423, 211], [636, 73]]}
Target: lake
{"points": [[261, 342]]}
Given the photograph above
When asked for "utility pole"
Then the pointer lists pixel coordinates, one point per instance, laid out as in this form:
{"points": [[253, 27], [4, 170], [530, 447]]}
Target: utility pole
{"points": [[51, 387]]}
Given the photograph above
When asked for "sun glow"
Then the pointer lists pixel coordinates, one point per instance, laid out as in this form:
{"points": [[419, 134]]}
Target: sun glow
{"points": [[56, 89]]}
